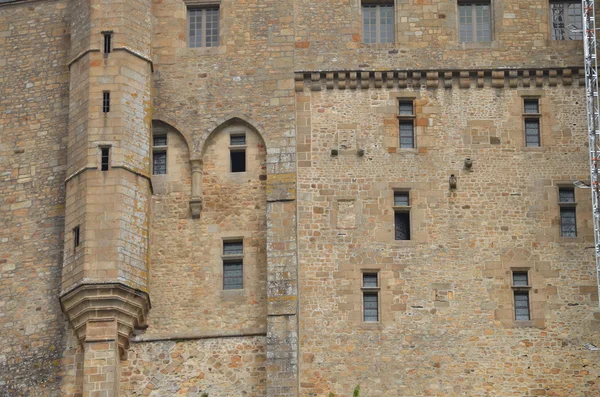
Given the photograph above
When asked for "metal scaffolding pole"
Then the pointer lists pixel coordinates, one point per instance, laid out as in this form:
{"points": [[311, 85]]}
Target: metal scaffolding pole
{"points": [[593, 111]]}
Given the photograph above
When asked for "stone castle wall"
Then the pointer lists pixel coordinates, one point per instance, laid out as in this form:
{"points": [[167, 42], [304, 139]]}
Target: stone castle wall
{"points": [[295, 76], [33, 127], [446, 310]]}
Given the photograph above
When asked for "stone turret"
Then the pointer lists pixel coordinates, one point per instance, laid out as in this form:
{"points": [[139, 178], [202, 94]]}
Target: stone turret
{"points": [[105, 272]]}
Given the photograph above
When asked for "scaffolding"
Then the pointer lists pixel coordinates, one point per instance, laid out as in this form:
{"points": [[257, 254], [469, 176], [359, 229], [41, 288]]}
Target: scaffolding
{"points": [[593, 114]]}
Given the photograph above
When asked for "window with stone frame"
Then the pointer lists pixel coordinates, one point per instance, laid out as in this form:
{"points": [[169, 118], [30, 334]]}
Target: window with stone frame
{"points": [[568, 216], [378, 21], [521, 290], [233, 264], [566, 21], [159, 154], [370, 290], [401, 215], [532, 122], [406, 121], [474, 21], [203, 24]]}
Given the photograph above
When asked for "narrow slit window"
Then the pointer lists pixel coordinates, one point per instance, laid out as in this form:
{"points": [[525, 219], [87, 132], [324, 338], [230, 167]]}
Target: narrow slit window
{"points": [[107, 42], [406, 118], [159, 154], [105, 102], [370, 288], [568, 214], [104, 158], [521, 287], [531, 116], [401, 216], [76, 241], [233, 265]]}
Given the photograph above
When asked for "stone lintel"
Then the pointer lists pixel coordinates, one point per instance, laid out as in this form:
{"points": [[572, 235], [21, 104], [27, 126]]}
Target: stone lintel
{"points": [[106, 303]]}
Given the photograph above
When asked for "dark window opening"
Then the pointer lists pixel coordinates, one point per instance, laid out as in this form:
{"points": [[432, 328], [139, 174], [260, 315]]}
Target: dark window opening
{"points": [[107, 42], [104, 158], [159, 140], [105, 102], [402, 225], [233, 248], [371, 307], [75, 237], [238, 161], [522, 306]]}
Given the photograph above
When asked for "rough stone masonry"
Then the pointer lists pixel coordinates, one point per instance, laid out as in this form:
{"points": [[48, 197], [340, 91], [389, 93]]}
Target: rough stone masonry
{"points": [[252, 198]]}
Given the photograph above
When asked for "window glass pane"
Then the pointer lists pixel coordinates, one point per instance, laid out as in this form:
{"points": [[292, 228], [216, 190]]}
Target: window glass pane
{"points": [[386, 23], [239, 139], [370, 280], [522, 305], [407, 134], [371, 309], [566, 195], [160, 140], [568, 225], [195, 28], [233, 275], [574, 21], [212, 27], [369, 24], [520, 279], [159, 163], [233, 248], [406, 108], [400, 199], [532, 132], [402, 226], [465, 22], [531, 106]]}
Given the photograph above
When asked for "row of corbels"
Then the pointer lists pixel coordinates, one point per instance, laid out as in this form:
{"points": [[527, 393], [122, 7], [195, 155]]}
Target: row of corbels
{"points": [[316, 81]]}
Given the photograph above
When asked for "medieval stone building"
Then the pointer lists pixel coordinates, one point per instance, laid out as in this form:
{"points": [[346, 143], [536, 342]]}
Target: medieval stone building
{"points": [[294, 197]]}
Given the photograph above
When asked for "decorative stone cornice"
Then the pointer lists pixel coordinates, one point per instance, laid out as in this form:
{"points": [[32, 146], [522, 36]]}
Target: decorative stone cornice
{"points": [[93, 302], [433, 79]]}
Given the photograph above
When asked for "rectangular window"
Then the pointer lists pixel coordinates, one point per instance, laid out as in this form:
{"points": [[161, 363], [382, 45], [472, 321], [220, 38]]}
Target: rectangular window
{"points": [[203, 27], [566, 22], [521, 287], [104, 158], [401, 216], [568, 220], [531, 116], [107, 42], [238, 160], [406, 117], [237, 139], [159, 154], [474, 21], [75, 237], [370, 290], [106, 102], [378, 23], [233, 264]]}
